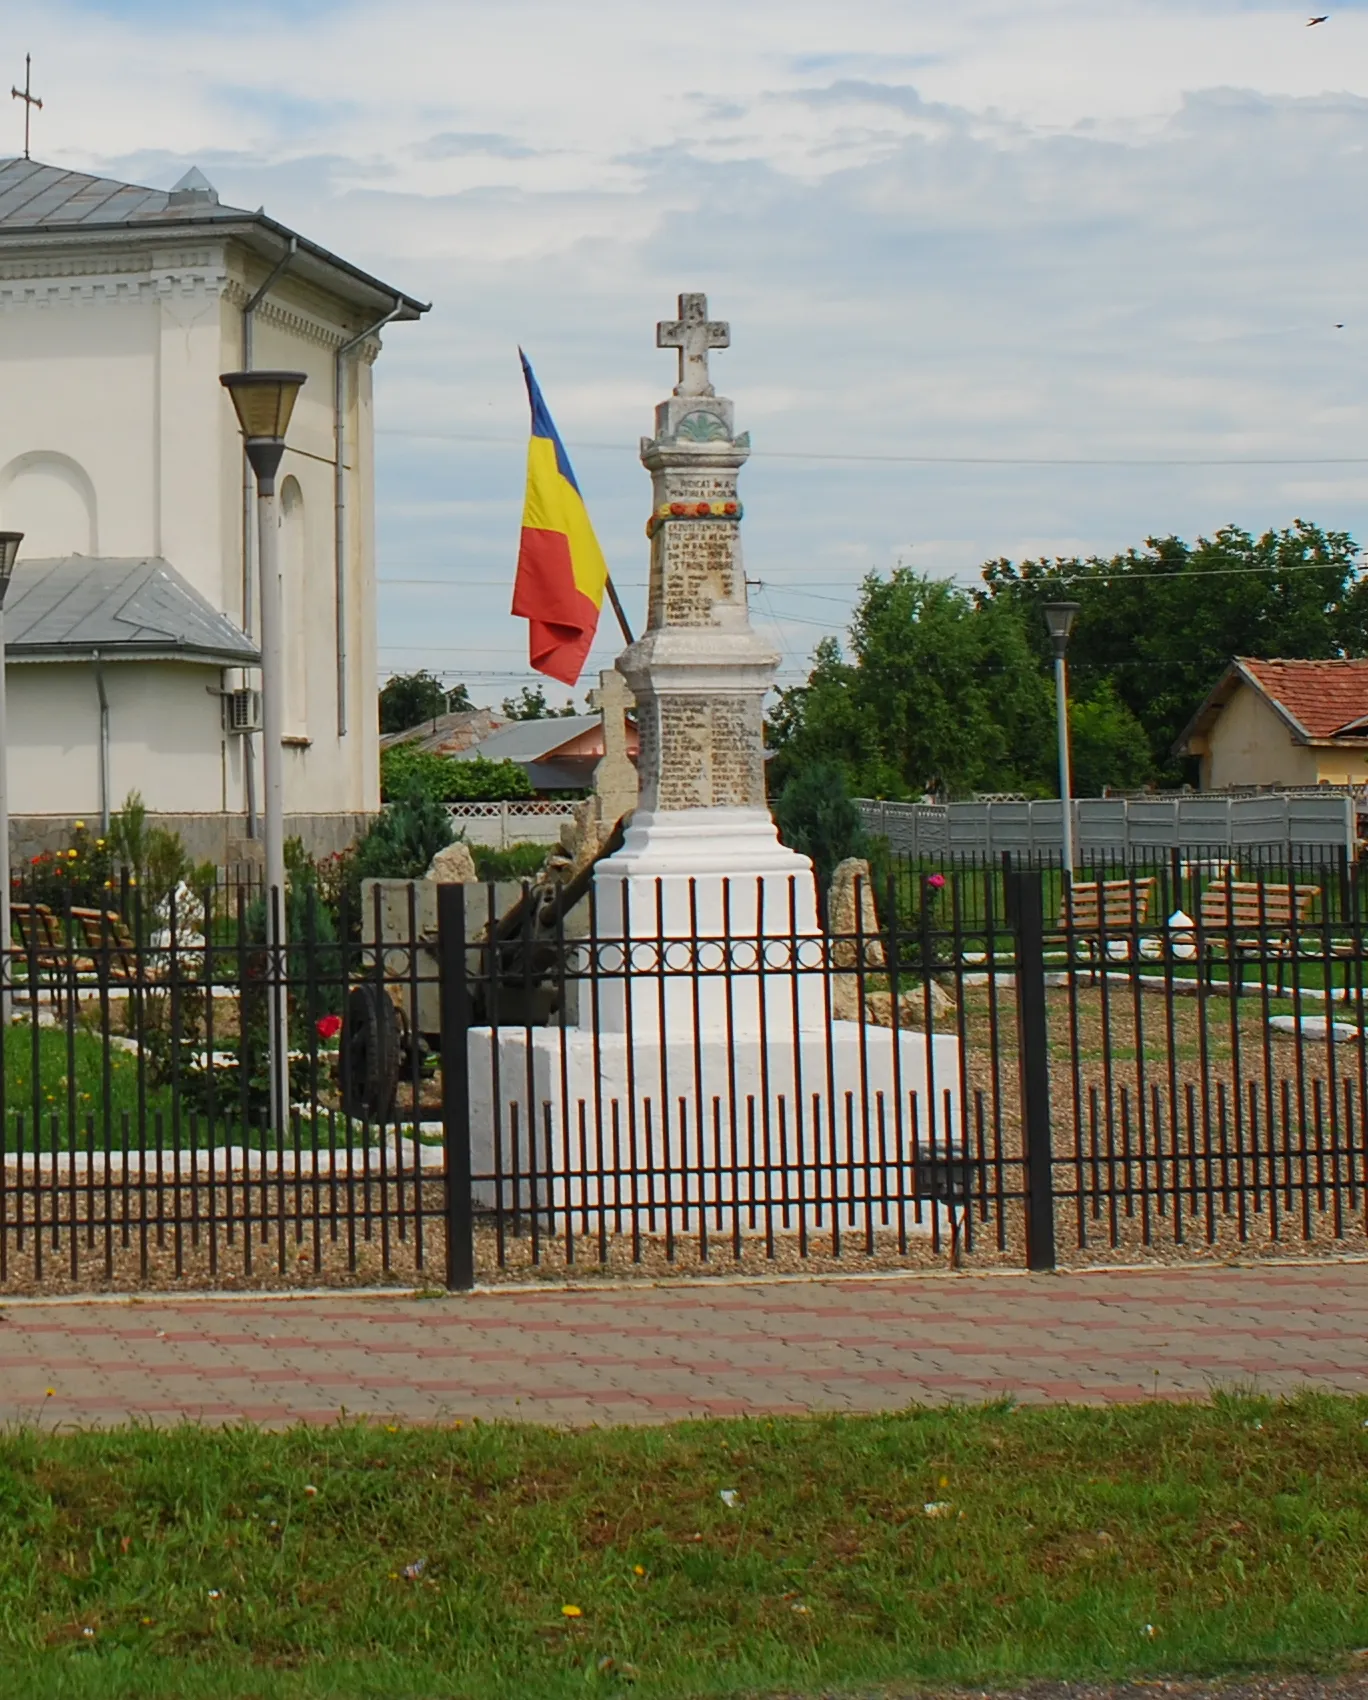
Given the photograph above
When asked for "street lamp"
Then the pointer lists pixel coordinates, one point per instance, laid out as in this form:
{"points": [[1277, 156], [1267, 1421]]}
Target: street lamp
{"points": [[9, 550], [264, 402], [1059, 622]]}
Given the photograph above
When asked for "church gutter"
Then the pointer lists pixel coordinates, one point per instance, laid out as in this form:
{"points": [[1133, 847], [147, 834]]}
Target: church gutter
{"points": [[104, 740], [340, 496]]}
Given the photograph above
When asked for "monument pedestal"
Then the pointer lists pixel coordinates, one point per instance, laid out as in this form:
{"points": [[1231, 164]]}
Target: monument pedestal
{"points": [[804, 1122], [706, 1069]]}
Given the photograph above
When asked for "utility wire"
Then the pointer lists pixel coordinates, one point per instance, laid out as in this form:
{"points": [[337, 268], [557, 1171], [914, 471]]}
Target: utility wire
{"points": [[920, 460]]}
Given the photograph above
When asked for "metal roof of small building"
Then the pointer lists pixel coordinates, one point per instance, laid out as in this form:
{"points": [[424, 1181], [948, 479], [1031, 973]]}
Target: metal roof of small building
{"points": [[37, 198], [127, 609], [531, 740]]}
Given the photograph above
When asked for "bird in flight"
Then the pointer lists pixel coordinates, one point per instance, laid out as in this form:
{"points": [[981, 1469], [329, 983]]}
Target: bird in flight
{"points": [[1323, 19]]}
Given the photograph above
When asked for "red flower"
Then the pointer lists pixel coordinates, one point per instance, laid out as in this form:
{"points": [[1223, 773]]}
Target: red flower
{"points": [[329, 1026], [936, 881]]}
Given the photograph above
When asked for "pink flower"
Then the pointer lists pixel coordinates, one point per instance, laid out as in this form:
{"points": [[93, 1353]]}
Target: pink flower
{"points": [[936, 881], [329, 1026]]}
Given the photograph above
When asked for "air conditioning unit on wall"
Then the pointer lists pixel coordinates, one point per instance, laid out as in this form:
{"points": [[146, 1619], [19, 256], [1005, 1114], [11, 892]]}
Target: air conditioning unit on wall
{"points": [[242, 711]]}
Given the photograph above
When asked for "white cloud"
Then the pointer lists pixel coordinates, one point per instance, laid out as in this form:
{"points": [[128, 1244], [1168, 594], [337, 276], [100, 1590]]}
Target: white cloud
{"points": [[1010, 228]]}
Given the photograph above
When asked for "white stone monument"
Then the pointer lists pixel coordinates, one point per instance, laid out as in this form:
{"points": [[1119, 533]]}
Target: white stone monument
{"points": [[713, 1068]]}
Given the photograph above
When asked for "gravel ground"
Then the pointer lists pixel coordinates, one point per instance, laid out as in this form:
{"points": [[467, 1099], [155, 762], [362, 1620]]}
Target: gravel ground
{"points": [[1341, 1687]]}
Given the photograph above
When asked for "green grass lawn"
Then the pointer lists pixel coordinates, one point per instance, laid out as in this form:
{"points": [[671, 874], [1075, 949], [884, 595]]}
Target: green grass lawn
{"points": [[70, 1085], [494, 1561], [72, 1075]]}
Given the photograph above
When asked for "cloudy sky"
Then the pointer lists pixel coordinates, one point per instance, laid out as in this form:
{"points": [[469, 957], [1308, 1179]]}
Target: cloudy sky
{"points": [[1004, 277]]}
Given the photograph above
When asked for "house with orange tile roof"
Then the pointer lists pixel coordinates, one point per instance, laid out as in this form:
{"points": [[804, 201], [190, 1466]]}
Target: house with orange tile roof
{"points": [[1282, 723]]}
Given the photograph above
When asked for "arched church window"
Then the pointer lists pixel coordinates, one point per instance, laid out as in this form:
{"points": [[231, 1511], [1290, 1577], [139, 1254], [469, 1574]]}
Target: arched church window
{"points": [[50, 498]]}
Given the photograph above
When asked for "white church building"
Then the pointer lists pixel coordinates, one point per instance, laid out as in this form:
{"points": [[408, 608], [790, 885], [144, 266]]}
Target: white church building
{"points": [[132, 618]]}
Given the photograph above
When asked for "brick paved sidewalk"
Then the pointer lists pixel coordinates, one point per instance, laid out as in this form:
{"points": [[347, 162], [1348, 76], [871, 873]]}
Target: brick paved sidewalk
{"points": [[652, 1354]]}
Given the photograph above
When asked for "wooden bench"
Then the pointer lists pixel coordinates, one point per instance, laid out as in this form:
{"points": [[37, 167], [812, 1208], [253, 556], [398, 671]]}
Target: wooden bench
{"points": [[1110, 905], [42, 945], [1265, 914], [40, 938], [1107, 913], [105, 935]]}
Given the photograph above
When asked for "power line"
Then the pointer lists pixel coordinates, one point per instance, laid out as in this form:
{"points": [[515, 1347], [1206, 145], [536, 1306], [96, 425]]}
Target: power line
{"points": [[505, 583], [920, 459]]}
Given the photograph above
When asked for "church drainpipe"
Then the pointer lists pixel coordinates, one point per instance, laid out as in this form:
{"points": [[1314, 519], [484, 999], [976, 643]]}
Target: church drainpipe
{"points": [[340, 502], [249, 517], [104, 743]]}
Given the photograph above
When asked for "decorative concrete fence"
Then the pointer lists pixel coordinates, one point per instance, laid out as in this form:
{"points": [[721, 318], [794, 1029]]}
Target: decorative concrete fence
{"points": [[497, 825], [1117, 826]]}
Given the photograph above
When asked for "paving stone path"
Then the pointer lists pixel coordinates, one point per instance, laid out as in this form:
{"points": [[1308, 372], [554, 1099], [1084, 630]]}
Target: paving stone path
{"points": [[656, 1354]]}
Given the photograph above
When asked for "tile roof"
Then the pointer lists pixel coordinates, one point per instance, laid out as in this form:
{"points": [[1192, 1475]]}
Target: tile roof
{"points": [[449, 734], [1321, 697], [128, 609]]}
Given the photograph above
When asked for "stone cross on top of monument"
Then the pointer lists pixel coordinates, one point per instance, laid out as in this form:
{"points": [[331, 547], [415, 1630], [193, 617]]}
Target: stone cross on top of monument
{"points": [[693, 335]]}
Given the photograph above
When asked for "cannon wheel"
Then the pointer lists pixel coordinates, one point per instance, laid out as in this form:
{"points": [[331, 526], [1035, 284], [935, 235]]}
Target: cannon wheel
{"points": [[372, 1046]]}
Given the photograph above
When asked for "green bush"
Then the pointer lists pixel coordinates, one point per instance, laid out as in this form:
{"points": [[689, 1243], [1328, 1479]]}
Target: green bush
{"points": [[402, 839], [81, 873], [405, 770], [516, 862], [399, 844]]}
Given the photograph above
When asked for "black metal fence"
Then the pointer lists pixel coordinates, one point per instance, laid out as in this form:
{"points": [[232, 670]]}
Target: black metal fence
{"points": [[976, 1065]]}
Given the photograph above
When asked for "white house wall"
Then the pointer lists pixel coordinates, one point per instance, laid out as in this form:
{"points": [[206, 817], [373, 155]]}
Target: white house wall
{"points": [[1249, 744], [81, 410], [117, 439], [166, 737]]}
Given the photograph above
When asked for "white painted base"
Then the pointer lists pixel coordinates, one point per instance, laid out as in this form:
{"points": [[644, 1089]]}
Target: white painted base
{"points": [[836, 1117], [697, 891]]}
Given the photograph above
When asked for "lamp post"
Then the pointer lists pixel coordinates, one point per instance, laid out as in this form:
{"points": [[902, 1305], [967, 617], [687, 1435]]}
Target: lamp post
{"points": [[1059, 621], [9, 550], [264, 402]]}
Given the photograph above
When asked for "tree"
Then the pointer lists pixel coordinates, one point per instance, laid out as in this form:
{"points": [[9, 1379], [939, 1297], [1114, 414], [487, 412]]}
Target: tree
{"points": [[530, 704], [815, 815], [408, 699], [940, 694], [1162, 623], [949, 692], [1107, 744]]}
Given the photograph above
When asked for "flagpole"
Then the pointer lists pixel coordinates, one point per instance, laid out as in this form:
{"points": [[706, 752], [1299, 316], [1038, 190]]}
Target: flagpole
{"points": [[611, 588]]}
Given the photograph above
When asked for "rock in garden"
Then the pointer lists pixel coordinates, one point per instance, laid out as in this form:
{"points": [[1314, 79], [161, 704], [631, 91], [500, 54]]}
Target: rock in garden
{"points": [[911, 1006], [453, 866], [851, 915]]}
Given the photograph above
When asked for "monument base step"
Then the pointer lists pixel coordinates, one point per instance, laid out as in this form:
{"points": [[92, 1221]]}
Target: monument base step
{"points": [[571, 1119]]}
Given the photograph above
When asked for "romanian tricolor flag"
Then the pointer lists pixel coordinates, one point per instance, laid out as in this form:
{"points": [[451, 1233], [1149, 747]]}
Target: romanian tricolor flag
{"points": [[561, 570]]}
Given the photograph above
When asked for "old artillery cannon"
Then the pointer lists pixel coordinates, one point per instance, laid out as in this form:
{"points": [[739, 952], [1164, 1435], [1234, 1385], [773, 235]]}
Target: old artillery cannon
{"points": [[515, 962]]}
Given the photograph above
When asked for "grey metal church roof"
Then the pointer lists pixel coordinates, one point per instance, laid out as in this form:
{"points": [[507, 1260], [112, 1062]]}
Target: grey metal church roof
{"points": [[46, 198], [127, 609], [33, 194]]}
